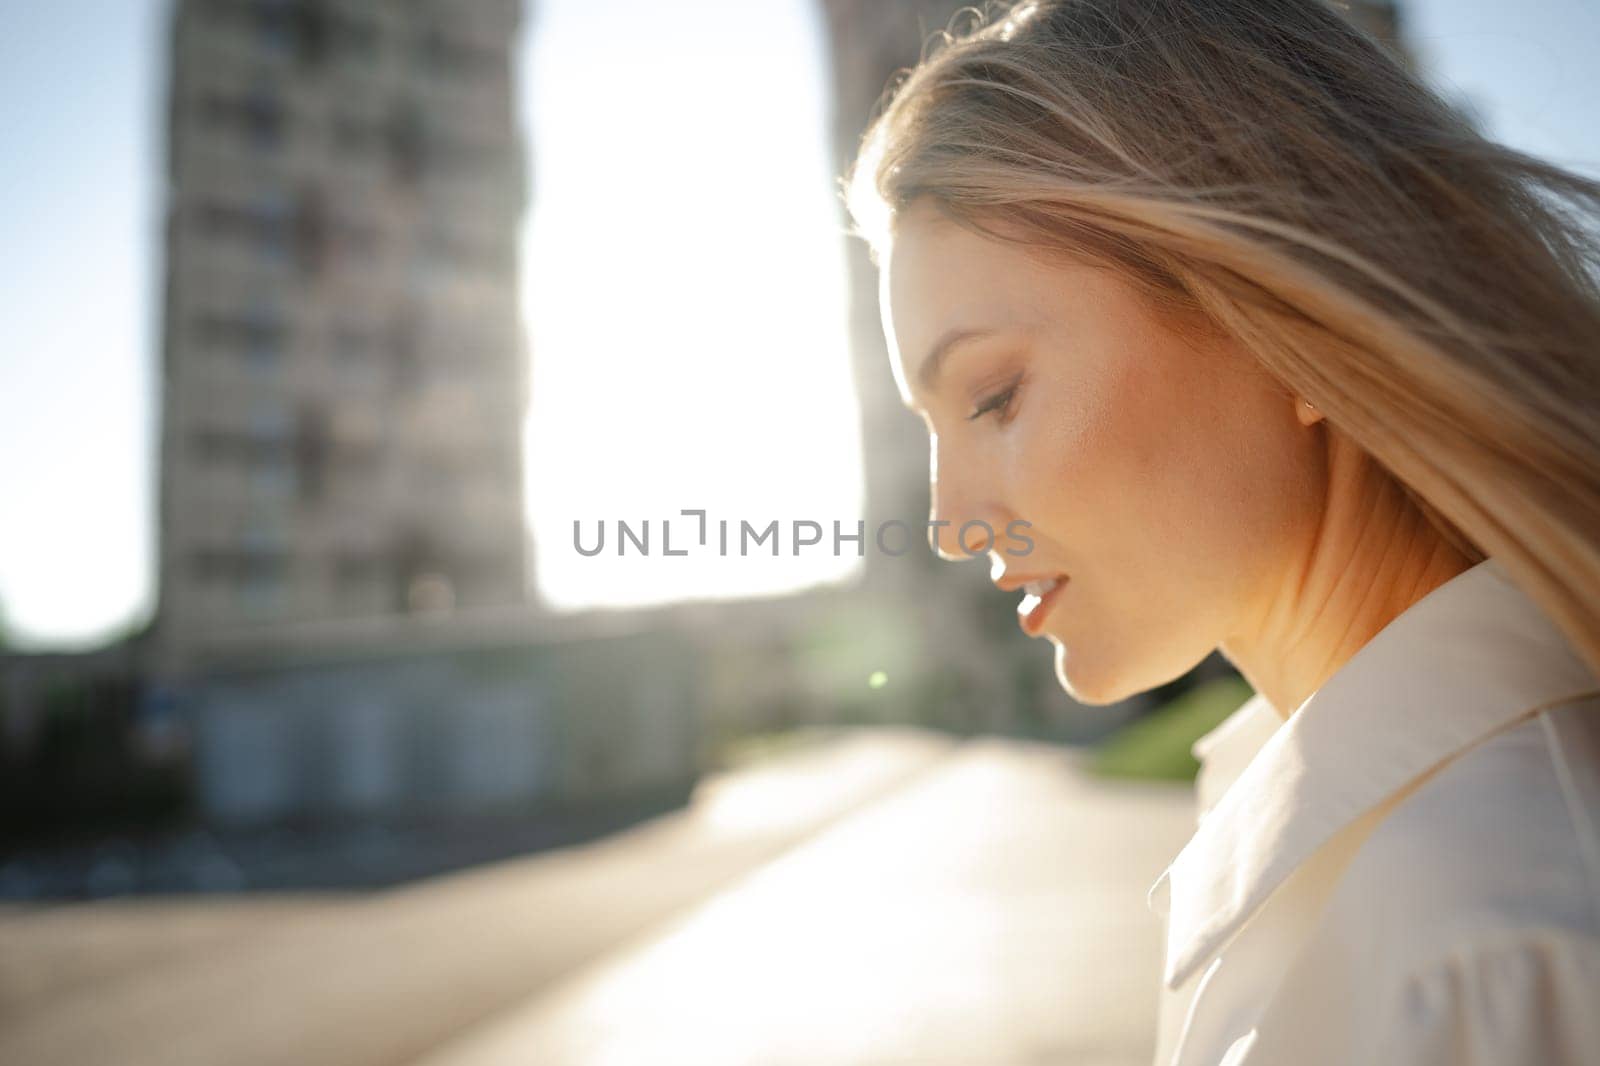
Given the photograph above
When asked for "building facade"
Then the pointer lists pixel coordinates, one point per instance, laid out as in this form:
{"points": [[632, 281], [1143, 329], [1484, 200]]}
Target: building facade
{"points": [[343, 365]]}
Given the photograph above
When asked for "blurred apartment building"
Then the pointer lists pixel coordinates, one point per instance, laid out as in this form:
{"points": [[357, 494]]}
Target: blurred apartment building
{"points": [[343, 377]]}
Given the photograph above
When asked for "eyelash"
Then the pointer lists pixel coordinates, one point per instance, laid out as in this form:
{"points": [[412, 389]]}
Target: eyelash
{"points": [[999, 400]]}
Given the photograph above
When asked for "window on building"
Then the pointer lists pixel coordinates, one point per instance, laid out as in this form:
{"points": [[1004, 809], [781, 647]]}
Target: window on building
{"points": [[312, 445], [312, 226], [407, 142]]}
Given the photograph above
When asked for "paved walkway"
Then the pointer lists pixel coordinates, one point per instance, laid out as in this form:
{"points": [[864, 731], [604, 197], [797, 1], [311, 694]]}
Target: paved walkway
{"points": [[891, 898], [991, 912]]}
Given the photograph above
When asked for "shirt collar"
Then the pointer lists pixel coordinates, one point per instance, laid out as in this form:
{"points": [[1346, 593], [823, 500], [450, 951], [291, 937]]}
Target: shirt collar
{"points": [[1472, 655]]}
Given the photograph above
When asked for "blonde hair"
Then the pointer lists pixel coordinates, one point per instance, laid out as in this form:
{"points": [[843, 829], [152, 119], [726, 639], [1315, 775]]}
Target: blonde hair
{"points": [[1265, 163]]}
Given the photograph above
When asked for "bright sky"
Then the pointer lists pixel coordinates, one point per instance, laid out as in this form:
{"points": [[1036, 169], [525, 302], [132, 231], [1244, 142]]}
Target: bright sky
{"points": [[686, 296], [683, 284]]}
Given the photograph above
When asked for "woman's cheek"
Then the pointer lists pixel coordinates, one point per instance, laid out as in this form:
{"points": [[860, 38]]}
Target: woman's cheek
{"points": [[1088, 431]]}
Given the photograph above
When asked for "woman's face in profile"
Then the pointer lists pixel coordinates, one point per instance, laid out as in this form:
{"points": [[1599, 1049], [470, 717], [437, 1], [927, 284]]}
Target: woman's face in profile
{"points": [[1161, 471]]}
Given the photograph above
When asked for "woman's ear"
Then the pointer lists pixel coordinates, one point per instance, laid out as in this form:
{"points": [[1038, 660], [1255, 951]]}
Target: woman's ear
{"points": [[1306, 411]]}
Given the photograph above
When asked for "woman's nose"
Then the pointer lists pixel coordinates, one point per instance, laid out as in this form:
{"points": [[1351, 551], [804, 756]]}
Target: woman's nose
{"points": [[943, 538], [961, 521]]}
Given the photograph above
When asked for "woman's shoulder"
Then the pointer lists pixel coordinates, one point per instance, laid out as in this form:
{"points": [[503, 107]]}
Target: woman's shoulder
{"points": [[1466, 925], [1498, 847]]}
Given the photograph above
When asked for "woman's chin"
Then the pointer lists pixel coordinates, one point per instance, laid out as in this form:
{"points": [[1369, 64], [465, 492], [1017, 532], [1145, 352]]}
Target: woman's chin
{"points": [[1099, 681], [1093, 684], [1071, 675]]}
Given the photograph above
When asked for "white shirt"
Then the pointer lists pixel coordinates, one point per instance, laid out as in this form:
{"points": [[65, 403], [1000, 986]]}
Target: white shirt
{"points": [[1408, 869]]}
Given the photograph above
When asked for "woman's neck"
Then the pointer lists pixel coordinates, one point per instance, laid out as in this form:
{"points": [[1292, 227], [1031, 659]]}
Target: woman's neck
{"points": [[1373, 555]]}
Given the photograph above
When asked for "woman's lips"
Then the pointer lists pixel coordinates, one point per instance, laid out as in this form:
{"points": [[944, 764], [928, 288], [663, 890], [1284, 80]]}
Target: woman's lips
{"points": [[1035, 606]]}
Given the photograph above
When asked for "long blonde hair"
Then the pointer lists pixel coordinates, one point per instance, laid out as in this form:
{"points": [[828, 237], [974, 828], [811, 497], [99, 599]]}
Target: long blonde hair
{"points": [[1433, 293]]}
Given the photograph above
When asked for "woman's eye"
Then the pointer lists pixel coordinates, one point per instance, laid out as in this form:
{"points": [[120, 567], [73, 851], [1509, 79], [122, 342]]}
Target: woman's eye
{"points": [[998, 401]]}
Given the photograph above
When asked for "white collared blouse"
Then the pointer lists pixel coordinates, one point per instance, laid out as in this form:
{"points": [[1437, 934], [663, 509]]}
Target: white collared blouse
{"points": [[1407, 870]]}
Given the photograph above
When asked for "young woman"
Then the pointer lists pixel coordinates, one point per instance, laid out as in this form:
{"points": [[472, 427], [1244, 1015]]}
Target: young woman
{"points": [[1276, 354]]}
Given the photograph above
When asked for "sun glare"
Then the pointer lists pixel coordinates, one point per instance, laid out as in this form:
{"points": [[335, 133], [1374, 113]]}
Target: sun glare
{"points": [[684, 293]]}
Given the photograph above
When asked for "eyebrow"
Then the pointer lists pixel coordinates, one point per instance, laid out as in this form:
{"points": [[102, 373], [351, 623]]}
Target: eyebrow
{"points": [[928, 372]]}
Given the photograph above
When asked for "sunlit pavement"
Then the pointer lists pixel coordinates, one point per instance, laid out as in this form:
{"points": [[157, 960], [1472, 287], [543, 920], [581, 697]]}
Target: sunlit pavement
{"points": [[893, 898], [991, 912]]}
